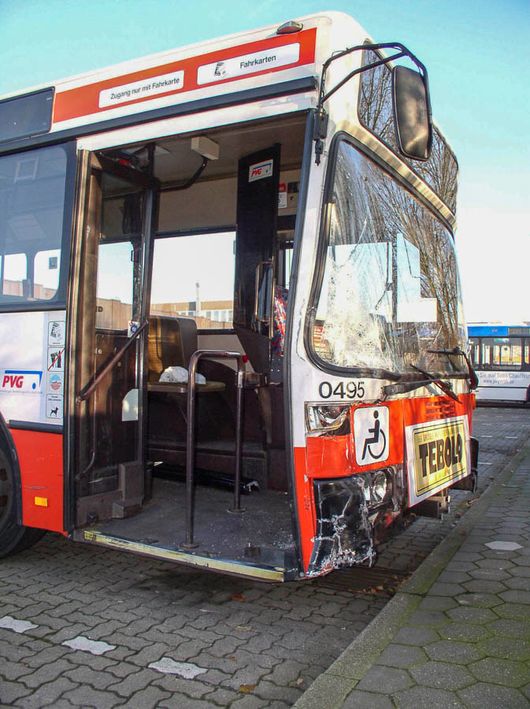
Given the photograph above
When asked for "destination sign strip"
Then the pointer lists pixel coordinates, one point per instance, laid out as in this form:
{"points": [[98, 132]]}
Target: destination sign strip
{"points": [[185, 75]]}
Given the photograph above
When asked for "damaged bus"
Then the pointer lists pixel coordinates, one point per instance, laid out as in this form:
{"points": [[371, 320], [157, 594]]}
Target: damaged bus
{"points": [[230, 312]]}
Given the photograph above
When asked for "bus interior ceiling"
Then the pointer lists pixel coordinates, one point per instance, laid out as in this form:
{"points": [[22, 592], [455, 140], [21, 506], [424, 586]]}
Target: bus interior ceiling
{"points": [[197, 264]]}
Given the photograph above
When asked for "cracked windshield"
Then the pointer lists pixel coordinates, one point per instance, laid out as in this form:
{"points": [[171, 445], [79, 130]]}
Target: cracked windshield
{"points": [[391, 271]]}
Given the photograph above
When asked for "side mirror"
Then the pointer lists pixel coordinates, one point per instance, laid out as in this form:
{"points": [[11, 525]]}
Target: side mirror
{"points": [[412, 113]]}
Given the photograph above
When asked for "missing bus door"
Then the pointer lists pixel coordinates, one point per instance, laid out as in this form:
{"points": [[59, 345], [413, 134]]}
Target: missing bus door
{"points": [[111, 331]]}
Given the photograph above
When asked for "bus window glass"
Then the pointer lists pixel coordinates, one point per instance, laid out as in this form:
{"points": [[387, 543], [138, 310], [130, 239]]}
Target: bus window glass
{"points": [[474, 352], [502, 353], [193, 276], [390, 289], [526, 361], [376, 114], [46, 268], [15, 274], [32, 195], [114, 286]]}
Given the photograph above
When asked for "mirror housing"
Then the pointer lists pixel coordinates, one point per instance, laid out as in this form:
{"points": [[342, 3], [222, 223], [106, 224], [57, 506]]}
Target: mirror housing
{"points": [[412, 113]]}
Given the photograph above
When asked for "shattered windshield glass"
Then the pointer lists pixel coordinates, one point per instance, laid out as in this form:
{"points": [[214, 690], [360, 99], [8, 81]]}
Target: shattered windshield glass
{"points": [[390, 289]]}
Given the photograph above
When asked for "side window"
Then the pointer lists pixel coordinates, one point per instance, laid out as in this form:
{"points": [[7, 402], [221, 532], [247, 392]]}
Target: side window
{"points": [[32, 201], [15, 274], [502, 353], [474, 352], [193, 276], [46, 270], [114, 286], [511, 353], [526, 361]]}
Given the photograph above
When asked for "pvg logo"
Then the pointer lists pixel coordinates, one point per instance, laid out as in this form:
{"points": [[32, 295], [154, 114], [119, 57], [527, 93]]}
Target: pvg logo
{"points": [[260, 170], [18, 380]]}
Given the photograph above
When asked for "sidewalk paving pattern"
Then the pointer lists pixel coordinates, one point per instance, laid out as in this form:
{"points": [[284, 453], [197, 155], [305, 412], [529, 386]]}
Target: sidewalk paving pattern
{"points": [[82, 626], [457, 634]]}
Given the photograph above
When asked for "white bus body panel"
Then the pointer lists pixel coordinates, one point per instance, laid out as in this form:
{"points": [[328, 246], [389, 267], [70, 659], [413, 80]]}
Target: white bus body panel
{"points": [[503, 386], [32, 366]]}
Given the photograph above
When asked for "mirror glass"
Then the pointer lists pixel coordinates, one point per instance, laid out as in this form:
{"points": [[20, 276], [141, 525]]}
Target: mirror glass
{"points": [[412, 113]]}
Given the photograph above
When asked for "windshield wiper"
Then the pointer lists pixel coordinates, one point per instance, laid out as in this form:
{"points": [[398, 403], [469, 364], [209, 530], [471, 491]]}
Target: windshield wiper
{"points": [[446, 387], [456, 351], [405, 385]]}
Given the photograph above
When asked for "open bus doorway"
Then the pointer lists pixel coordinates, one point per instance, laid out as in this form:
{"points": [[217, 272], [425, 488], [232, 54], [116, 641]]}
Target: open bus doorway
{"points": [[192, 258]]}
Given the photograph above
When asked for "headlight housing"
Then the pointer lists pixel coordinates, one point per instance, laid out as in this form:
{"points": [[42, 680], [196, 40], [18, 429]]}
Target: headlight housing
{"points": [[327, 418]]}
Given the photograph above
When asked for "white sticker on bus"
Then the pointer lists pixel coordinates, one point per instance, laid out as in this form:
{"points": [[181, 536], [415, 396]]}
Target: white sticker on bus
{"points": [[56, 333], [141, 89], [371, 427], [55, 358], [260, 170], [54, 407], [56, 382], [248, 64]]}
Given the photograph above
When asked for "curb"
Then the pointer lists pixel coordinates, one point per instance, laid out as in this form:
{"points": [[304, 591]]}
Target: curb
{"points": [[332, 687]]}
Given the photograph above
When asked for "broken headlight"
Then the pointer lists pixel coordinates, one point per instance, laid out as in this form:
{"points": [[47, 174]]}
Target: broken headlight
{"points": [[327, 418], [379, 487]]}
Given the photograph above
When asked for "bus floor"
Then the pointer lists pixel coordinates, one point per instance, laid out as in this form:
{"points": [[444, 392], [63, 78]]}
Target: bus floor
{"points": [[261, 534]]}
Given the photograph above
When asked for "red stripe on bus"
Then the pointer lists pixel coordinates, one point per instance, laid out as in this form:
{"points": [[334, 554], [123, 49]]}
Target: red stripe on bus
{"points": [[332, 457], [40, 457], [84, 100], [306, 506]]}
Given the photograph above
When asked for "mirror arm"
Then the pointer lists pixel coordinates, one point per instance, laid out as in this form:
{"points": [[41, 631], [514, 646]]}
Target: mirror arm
{"points": [[361, 70], [321, 122]]}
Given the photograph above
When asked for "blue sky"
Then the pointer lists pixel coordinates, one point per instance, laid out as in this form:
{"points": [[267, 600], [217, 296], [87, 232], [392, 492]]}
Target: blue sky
{"points": [[477, 54]]}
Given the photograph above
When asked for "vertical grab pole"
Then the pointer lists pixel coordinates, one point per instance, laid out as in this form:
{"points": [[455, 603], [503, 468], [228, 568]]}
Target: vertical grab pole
{"points": [[190, 450], [190, 436], [239, 434]]}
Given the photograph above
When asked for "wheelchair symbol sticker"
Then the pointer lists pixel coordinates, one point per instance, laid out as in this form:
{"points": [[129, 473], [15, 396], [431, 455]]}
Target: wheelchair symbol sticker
{"points": [[371, 430]]}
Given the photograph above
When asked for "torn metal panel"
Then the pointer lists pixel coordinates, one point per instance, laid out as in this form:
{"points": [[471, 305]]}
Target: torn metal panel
{"points": [[344, 533], [350, 512]]}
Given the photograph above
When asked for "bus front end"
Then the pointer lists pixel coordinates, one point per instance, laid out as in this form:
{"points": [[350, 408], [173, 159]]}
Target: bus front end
{"points": [[381, 382]]}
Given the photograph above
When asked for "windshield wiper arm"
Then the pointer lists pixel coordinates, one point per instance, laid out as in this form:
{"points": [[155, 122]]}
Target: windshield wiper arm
{"points": [[403, 387], [446, 387], [472, 375]]}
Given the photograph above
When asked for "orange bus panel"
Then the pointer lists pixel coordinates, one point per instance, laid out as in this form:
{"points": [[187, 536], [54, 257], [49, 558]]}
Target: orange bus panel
{"points": [[40, 457]]}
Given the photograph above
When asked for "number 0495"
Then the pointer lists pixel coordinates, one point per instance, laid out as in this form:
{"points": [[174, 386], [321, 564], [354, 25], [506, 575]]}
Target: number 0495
{"points": [[342, 390]]}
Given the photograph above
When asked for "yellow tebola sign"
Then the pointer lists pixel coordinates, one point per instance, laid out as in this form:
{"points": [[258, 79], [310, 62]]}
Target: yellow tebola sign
{"points": [[437, 455]]}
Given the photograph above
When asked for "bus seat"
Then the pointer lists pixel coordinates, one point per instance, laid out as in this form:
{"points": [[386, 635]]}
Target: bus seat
{"points": [[171, 342]]}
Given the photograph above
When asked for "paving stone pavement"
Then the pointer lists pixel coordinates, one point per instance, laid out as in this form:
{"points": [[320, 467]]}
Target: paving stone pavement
{"points": [[457, 634], [82, 626]]}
